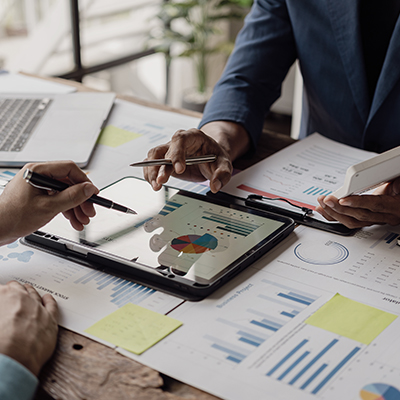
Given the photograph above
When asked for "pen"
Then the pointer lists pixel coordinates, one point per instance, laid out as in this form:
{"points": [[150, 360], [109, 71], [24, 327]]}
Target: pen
{"points": [[44, 182], [165, 161]]}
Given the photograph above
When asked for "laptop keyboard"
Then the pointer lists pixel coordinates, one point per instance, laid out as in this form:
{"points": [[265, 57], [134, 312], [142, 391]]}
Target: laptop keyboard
{"points": [[18, 118]]}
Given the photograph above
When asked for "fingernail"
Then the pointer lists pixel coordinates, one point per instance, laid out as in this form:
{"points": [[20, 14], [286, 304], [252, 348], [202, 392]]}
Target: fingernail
{"points": [[178, 167], [89, 190], [330, 203], [345, 202], [217, 185]]}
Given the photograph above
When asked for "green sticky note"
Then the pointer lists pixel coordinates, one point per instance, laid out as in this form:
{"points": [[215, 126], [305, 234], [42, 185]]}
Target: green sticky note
{"points": [[134, 328], [351, 319], [113, 137]]}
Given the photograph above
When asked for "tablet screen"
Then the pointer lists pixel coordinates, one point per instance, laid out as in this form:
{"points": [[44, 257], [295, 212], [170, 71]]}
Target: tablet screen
{"points": [[188, 237]]}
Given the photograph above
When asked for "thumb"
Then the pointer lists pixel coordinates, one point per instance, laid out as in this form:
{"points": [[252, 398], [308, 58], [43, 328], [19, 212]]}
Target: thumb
{"points": [[75, 195]]}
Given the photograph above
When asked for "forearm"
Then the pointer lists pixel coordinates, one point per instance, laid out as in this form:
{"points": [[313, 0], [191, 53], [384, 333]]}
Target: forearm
{"points": [[230, 135], [6, 226]]}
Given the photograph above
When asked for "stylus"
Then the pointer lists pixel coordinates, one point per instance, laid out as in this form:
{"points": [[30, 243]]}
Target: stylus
{"points": [[44, 182], [165, 161]]}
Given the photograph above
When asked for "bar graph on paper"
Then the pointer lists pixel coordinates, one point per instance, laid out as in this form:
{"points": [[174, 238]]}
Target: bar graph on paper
{"points": [[311, 359], [120, 291], [274, 307]]}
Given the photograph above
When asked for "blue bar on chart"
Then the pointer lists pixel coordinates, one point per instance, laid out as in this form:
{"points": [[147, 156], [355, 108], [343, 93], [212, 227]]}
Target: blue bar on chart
{"points": [[123, 291], [267, 321], [313, 361], [336, 370], [295, 297], [293, 294], [388, 238], [287, 356], [244, 335], [314, 191], [234, 353], [193, 187], [245, 331], [290, 315], [293, 365], [169, 207], [313, 376], [287, 304], [289, 364], [231, 224]]}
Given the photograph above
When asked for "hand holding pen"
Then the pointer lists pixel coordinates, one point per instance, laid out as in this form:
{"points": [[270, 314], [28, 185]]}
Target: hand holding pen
{"points": [[46, 183], [217, 167], [24, 209]]}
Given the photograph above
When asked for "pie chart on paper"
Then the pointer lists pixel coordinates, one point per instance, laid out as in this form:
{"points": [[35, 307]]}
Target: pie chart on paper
{"points": [[194, 244], [379, 391]]}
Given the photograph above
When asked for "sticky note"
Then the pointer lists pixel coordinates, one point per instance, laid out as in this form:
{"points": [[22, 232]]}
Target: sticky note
{"points": [[134, 328], [351, 319], [113, 137]]}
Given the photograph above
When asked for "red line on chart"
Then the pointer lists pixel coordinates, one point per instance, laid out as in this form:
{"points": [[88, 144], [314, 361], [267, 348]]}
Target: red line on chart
{"points": [[273, 196]]}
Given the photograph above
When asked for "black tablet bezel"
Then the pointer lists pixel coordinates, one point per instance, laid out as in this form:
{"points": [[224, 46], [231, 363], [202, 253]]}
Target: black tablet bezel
{"points": [[158, 279]]}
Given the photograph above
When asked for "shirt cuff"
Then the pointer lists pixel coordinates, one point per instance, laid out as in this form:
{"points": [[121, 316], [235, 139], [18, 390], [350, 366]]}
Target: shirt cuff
{"points": [[16, 381]]}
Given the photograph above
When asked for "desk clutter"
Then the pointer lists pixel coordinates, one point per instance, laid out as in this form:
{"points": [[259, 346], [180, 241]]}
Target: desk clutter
{"points": [[315, 318]]}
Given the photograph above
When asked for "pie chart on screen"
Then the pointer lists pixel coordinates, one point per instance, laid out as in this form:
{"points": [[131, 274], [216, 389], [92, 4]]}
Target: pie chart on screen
{"points": [[194, 244], [379, 391]]}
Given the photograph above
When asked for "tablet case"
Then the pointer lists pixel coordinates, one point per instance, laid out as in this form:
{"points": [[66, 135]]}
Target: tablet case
{"points": [[302, 218], [159, 279]]}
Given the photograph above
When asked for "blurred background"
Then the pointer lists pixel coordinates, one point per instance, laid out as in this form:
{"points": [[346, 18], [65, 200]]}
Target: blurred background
{"points": [[163, 51]]}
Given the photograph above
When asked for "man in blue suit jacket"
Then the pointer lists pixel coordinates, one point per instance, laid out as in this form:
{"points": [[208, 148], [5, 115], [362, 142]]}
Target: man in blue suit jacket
{"points": [[349, 56]]}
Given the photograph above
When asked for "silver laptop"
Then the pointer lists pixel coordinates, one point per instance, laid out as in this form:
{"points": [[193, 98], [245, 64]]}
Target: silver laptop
{"points": [[40, 127]]}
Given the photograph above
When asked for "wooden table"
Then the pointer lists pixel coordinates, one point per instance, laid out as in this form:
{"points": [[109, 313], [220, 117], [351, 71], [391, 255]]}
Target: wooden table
{"points": [[84, 369]]}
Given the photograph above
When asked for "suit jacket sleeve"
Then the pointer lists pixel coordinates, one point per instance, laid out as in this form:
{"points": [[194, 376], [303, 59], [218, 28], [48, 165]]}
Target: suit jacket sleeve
{"points": [[264, 51], [16, 382]]}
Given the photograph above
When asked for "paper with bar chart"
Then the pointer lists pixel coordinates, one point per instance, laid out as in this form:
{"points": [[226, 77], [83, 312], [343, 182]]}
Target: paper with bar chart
{"points": [[267, 337], [300, 173], [131, 131], [84, 295]]}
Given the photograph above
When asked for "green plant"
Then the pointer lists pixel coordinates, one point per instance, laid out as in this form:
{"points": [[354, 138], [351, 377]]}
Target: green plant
{"points": [[194, 24]]}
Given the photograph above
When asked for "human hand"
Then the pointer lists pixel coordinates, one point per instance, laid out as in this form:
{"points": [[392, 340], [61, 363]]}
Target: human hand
{"points": [[28, 325], [24, 208], [225, 139], [381, 207]]}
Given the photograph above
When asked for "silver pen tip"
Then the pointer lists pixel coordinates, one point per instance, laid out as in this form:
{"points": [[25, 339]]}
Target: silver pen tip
{"points": [[130, 211]]}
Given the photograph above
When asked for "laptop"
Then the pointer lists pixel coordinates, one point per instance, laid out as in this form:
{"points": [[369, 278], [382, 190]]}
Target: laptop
{"points": [[43, 127]]}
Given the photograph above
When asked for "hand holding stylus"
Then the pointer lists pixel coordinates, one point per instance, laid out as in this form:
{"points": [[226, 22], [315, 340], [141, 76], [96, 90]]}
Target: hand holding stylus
{"points": [[185, 145], [24, 209]]}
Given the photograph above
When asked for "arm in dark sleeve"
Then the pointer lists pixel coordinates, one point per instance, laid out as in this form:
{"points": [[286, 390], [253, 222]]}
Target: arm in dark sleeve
{"points": [[251, 83]]}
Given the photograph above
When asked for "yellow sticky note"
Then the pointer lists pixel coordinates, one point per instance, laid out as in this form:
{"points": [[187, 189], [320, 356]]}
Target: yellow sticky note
{"points": [[113, 137], [351, 319], [134, 328]]}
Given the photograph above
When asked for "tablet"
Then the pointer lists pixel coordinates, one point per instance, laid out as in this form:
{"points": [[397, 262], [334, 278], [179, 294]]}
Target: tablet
{"points": [[180, 242]]}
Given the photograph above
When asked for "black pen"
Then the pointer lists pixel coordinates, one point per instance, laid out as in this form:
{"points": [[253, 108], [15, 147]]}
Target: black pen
{"points": [[44, 182]]}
